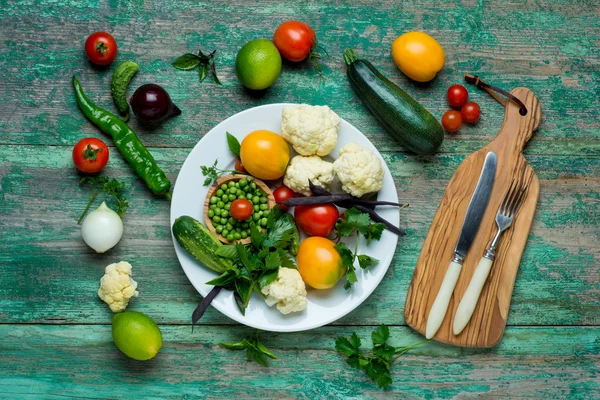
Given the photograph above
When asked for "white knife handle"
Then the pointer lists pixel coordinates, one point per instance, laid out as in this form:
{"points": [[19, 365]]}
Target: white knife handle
{"points": [[469, 300], [440, 305]]}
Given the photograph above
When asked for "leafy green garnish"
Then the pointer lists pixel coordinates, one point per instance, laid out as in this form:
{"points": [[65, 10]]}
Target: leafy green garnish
{"points": [[110, 187], [233, 143], [255, 350], [376, 364], [212, 173], [356, 223], [204, 63]]}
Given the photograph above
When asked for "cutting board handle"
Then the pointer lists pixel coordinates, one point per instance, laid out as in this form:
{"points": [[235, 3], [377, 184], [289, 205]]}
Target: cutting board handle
{"points": [[517, 129]]}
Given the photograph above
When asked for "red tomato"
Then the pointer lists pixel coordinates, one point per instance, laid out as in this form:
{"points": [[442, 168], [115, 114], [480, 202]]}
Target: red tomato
{"points": [[241, 209], [316, 220], [282, 193], [239, 166], [294, 40], [101, 48], [90, 155], [457, 95], [451, 121], [470, 112]]}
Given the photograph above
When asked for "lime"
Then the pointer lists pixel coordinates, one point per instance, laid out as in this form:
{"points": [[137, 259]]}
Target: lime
{"points": [[258, 64], [136, 335]]}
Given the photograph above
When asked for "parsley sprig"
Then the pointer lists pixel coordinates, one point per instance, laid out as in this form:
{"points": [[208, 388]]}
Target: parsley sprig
{"points": [[255, 350], [356, 223], [212, 173], [110, 187], [377, 363]]}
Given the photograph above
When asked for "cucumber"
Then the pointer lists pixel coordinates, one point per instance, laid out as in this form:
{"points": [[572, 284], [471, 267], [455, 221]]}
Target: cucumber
{"points": [[407, 120], [118, 86], [197, 240]]}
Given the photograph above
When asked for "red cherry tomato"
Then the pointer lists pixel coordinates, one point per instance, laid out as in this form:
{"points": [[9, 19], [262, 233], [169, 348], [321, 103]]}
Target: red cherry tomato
{"points": [[90, 155], [240, 209], [294, 40], [457, 95], [239, 166], [282, 193], [451, 121], [101, 48], [470, 112], [316, 220]]}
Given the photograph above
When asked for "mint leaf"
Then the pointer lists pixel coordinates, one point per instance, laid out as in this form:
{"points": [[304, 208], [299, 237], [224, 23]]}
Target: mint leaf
{"points": [[187, 62], [366, 261], [233, 143]]}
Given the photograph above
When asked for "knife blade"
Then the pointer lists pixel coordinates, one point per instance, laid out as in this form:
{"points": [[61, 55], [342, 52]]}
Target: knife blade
{"points": [[472, 220]]}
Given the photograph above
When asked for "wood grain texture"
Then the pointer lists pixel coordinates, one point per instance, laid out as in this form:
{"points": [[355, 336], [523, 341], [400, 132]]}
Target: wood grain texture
{"points": [[489, 318], [51, 345]]}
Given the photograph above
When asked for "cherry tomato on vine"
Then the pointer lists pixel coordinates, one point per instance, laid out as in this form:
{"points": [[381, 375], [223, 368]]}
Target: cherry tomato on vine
{"points": [[90, 155], [470, 112], [294, 40], [282, 193], [101, 48], [451, 121], [240, 209], [316, 220], [239, 166], [457, 95]]}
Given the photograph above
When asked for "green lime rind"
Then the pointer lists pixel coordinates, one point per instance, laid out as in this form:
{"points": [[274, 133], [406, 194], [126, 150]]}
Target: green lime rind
{"points": [[118, 86]]}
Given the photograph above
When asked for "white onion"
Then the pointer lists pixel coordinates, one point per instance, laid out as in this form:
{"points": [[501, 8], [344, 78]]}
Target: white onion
{"points": [[102, 229]]}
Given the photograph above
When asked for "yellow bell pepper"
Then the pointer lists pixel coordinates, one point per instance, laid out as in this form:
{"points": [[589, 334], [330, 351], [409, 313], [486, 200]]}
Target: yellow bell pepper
{"points": [[418, 56]]}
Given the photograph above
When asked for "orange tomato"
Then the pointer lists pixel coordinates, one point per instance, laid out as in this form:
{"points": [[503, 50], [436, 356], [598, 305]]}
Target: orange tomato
{"points": [[265, 154], [319, 263]]}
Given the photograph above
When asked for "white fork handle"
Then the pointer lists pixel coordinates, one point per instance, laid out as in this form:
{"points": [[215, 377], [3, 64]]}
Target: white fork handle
{"points": [[471, 297], [440, 305]]}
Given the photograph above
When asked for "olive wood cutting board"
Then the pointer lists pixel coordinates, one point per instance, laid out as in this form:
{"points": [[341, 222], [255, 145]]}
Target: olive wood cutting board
{"points": [[486, 326]]}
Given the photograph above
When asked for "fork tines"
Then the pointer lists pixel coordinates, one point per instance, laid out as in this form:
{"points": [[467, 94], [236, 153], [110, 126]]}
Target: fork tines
{"points": [[512, 199]]}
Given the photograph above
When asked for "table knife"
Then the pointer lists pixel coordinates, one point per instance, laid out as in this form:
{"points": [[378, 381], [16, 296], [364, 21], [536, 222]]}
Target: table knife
{"points": [[475, 211]]}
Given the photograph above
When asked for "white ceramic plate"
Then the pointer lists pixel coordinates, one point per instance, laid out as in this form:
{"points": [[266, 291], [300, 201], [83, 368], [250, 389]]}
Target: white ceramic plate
{"points": [[324, 306]]}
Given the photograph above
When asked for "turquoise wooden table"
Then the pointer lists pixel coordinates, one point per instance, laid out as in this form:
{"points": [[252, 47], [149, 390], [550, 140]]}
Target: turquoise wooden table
{"points": [[55, 334]]}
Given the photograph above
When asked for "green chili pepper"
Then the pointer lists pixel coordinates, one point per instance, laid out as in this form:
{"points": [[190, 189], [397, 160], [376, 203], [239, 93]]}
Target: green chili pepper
{"points": [[126, 141]]}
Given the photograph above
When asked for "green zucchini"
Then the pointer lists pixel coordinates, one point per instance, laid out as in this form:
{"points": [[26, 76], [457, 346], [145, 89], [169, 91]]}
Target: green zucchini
{"points": [[407, 120], [197, 240]]}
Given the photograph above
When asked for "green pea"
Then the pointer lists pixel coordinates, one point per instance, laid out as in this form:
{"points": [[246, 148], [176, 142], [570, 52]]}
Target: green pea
{"points": [[241, 195], [213, 199], [210, 213], [255, 217], [260, 213], [253, 186], [224, 187], [247, 189], [229, 227], [225, 197], [231, 221], [225, 232], [237, 184], [264, 207], [220, 204], [216, 219], [237, 236], [219, 193], [217, 211], [244, 225], [265, 214], [249, 179], [263, 200], [230, 237], [224, 214], [243, 234], [263, 222], [231, 184], [232, 190], [256, 208], [243, 182], [238, 229], [255, 200], [227, 206], [213, 206], [231, 197]]}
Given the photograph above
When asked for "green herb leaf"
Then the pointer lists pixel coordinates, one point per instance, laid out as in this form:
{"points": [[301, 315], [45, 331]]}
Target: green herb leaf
{"points": [[366, 261], [257, 236], [381, 334], [255, 350], [348, 262], [110, 187], [374, 232], [187, 62], [261, 347], [227, 251], [213, 173], [272, 261], [349, 347], [253, 354], [202, 72], [281, 233], [286, 260], [213, 69], [233, 143], [235, 345], [225, 278], [267, 279]]}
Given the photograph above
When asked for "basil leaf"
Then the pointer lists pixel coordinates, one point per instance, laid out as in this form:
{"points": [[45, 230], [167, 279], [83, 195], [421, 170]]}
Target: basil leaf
{"points": [[234, 345], [187, 62], [233, 143], [227, 251], [253, 354], [366, 261], [264, 350], [202, 72], [214, 73]]}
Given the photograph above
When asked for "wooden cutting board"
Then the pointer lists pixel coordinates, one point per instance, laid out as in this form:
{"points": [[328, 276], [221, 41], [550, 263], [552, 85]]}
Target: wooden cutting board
{"points": [[489, 318]]}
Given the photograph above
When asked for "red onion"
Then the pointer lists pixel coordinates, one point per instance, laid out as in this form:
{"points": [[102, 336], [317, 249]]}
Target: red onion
{"points": [[152, 104]]}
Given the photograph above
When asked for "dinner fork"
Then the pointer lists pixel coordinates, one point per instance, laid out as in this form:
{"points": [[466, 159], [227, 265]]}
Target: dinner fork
{"points": [[504, 218]]}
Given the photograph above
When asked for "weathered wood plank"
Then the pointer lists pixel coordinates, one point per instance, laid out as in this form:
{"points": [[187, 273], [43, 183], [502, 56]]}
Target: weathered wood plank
{"points": [[82, 361], [49, 275], [548, 47]]}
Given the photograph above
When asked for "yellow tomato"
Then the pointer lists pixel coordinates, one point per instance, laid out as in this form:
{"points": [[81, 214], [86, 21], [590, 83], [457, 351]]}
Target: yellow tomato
{"points": [[418, 55], [265, 154], [319, 263]]}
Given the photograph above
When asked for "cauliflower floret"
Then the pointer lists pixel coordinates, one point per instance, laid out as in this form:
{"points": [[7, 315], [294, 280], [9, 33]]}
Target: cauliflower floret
{"points": [[303, 168], [117, 286], [312, 130], [360, 170], [287, 291]]}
